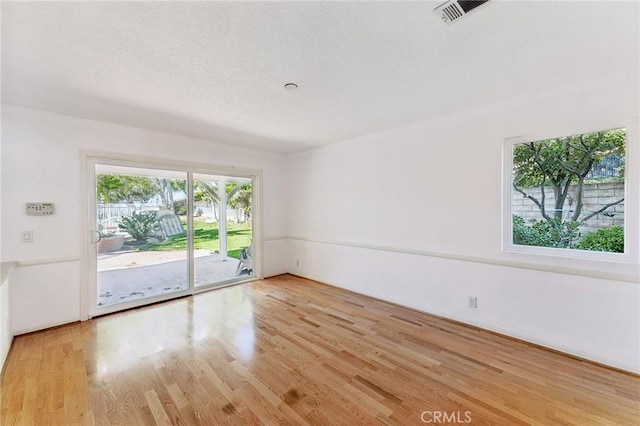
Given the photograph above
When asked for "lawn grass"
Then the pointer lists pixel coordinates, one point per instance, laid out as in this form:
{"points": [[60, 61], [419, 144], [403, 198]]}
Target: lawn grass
{"points": [[206, 238]]}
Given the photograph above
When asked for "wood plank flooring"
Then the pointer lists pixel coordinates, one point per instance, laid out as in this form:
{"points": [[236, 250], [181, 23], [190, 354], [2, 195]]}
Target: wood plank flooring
{"points": [[291, 351]]}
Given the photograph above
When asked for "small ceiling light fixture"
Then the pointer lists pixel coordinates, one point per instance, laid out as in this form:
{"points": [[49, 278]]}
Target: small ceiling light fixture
{"points": [[291, 86]]}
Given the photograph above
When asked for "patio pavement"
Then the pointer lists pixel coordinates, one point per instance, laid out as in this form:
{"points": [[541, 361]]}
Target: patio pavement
{"points": [[125, 276]]}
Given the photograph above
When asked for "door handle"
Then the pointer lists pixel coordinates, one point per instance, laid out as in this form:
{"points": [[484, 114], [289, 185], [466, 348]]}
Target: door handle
{"points": [[99, 236]]}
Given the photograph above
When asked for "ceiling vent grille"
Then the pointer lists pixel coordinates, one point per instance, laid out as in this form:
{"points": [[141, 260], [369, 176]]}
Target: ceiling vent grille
{"points": [[456, 9]]}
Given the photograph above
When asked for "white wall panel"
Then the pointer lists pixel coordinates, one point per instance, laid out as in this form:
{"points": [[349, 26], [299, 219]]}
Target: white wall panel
{"points": [[436, 187], [44, 295]]}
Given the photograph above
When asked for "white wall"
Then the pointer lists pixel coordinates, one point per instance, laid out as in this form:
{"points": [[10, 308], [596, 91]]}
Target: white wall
{"points": [[41, 162], [375, 215], [388, 215]]}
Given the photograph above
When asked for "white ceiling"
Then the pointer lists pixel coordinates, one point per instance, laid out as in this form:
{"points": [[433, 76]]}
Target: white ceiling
{"points": [[216, 70]]}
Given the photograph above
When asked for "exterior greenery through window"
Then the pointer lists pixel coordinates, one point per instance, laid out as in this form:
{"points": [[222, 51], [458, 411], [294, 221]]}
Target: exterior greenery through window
{"points": [[141, 196], [568, 192]]}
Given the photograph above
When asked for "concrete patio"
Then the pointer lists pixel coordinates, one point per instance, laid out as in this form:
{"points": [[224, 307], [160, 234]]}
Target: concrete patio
{"points": [[125, 276]]}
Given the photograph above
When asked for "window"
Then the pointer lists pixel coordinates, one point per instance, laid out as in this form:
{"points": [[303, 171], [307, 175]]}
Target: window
{"points": [[567, 193]]}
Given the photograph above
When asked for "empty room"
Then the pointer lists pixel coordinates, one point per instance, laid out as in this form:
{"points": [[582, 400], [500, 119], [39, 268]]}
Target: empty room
{"points": [[320, 212]]}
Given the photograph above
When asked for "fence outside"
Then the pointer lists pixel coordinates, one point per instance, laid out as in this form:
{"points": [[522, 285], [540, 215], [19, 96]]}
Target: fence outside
{"points": [[110, 215], [595, 196], [607, 167]]}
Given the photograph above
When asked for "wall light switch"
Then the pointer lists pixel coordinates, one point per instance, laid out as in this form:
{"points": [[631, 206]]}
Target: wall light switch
{"points": [[27, 236]]}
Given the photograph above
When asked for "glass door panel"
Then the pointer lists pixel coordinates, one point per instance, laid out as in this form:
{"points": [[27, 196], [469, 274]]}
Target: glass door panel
{"points": [[162, 233], [222, 229], [142, 250]]}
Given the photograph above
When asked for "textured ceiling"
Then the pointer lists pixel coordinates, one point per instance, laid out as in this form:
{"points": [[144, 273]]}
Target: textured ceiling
{"points": [[216, 70]]}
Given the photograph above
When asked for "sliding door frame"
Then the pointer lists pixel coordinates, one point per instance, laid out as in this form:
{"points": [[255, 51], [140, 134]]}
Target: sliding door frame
{"points": [[88, 266]]}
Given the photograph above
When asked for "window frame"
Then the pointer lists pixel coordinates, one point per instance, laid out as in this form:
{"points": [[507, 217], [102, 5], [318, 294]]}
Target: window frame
{"points": [[631, 196]]}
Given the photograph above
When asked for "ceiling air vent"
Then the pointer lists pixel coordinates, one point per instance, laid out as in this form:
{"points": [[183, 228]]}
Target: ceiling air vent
{"points": [[456, 9]]}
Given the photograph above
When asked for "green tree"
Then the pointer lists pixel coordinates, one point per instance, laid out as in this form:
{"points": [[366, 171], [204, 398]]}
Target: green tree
{"points": [[113, 188], [208, 191], [242, 201], [563, 165], [107, 187], [562, 162]]}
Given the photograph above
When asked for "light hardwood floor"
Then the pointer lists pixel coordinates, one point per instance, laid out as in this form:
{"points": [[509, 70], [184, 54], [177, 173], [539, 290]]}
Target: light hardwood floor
{"points": [[291, 351]]}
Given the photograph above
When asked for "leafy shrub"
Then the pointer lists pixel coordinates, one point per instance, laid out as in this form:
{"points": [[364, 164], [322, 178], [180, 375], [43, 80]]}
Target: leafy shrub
{"points": [[545, 233], [140, 225], [609, 239], [180, 210]]}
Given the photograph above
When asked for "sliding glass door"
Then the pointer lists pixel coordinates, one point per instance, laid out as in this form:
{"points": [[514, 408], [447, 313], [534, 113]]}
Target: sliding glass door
{"points": [[141, 249], [159, 233], [222, 228]]}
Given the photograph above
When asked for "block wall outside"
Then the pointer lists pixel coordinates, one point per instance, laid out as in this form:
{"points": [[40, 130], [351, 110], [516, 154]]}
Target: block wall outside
{"points": [[595, 195]]}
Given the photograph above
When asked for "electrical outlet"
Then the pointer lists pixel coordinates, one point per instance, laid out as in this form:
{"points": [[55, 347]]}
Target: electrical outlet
{"points": [[473, 302], [27, 236]]}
